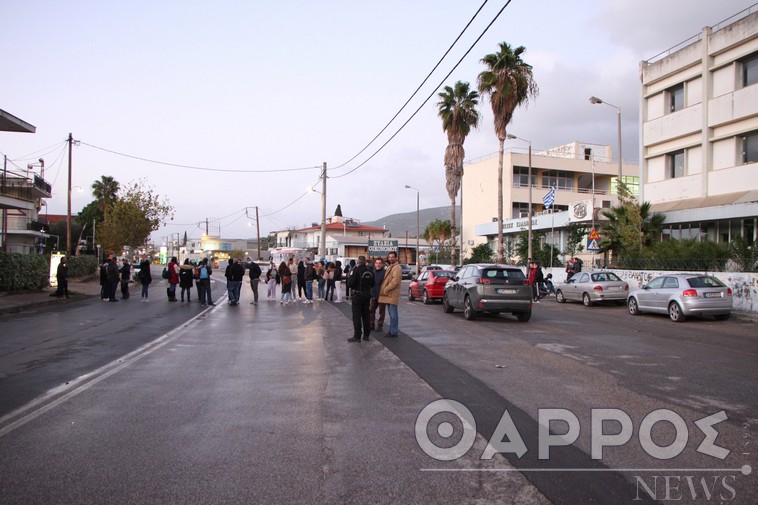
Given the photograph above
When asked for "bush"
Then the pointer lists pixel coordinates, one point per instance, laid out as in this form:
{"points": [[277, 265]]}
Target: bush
{"points": [[82, 266], [23, 271]]}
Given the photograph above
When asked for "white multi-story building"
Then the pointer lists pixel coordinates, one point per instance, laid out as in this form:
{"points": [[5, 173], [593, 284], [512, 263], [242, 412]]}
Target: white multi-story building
{"points": [[699, 133]]}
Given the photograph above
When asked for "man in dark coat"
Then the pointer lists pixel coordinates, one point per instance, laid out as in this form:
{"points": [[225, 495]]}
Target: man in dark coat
{"points": [[359, 283]]}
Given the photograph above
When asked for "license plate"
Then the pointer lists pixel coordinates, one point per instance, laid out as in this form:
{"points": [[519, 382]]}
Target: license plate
{"points": [[712, 294], [503, 291]]}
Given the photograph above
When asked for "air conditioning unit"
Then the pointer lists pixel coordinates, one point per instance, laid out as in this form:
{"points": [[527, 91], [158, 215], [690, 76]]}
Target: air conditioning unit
{"points": [[523, 215], [470, 242]]}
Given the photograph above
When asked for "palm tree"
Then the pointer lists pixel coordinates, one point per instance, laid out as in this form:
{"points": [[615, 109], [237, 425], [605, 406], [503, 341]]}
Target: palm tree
{"points": [[509, 83], [105, 191], [630, 227], [457, 109]]}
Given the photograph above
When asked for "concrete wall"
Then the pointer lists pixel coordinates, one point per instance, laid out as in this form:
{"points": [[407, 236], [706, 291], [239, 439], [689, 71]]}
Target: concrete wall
{"points": [[744, 285]]}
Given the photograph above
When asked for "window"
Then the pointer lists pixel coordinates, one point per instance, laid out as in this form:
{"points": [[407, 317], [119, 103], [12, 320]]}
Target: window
{"points": [[520, 209], [675, 164], [558, 178], [656, 283], [750, 70], [521, 177], [587, 153], [676, 97], [750, 147]]}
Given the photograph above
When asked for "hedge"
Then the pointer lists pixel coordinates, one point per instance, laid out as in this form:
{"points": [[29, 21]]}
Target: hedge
{"points": [[82, 266], [23, 271]]}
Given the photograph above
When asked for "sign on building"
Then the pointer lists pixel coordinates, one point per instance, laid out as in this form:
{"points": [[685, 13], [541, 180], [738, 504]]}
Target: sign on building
{"points": [[382, 247], [580, 211]]}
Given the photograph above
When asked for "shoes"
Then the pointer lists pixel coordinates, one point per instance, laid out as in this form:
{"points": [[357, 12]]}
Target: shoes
{"points": [[536, 301], [365, 337], [253, 303], [392, 335], [212, 304], [354, 339], [114, 300], [379, 328]]}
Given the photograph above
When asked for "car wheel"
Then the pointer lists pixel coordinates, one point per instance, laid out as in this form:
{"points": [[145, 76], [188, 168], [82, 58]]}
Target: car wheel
{"points": [[523, 317], [559, 297], [722, 317], [468, 309], [586, 300], [445, 305], [410, 295], [425, 298], [675, 313], [634, 309]]}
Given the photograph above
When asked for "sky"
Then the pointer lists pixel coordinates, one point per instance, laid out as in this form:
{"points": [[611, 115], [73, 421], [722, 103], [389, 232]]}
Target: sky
{"points": [[238, 103]]}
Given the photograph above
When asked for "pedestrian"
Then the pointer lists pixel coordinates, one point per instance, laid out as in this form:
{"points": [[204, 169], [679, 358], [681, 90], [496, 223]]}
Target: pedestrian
{"points": [[229, 285], [113, 276], [126, 272], [173, 278], [234, 282], [348, 268], [186, 274], [61, 275], [535, 278], [549, 286], [569, 269], [389, 293], [301, 280], [255, 279], [320, 281], [104, 289], [271, 279], [329, 278], [204, 282], [359, 283], [145, 277], [375, 306], [285, 278], [577, 266], [338, 281], [293, 276], [310, 276]]}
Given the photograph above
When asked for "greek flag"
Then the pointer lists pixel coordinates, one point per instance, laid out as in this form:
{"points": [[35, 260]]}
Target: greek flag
{"points": [[549, 199]]}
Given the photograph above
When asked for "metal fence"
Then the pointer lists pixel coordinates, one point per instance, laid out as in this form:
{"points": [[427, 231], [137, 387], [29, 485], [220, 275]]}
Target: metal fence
{"points": [[684, 264]]}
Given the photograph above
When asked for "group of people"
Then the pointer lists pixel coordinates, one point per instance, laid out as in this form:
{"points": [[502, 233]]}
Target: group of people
{"points": [[374, 290], [541, 285], [113, 276]]}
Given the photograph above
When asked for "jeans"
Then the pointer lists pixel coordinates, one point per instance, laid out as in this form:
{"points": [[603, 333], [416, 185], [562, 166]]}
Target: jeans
{"points": [[144, 290], [321, 284], [125, 289], [361, 315], [233, 289], [204, 286], [394, 323], [309, 290], [254, 286], [329, 290]]}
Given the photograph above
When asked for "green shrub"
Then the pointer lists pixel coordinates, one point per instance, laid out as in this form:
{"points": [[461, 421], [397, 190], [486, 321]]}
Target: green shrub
{"points": [[23, 271], [82, 266]]}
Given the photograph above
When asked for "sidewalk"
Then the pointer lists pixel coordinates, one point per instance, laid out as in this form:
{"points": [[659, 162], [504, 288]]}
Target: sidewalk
{"points": [[18, 302]]}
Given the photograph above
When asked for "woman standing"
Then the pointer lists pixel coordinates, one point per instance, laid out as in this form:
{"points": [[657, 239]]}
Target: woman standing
{"points": [[271, 283], [61, 274], [300, 279], [329, 278], [285, 277], [185, 278], [145, 277], [320, 281]]}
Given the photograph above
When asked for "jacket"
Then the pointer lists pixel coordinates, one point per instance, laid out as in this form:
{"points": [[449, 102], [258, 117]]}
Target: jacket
{"points": [[145, 276], [185, 276], [378, 279], [173, 273], [390, 290], [359, 282]]}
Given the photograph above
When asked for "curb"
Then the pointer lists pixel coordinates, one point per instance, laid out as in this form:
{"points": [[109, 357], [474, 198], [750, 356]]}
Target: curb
{"points": [[15, 309]]}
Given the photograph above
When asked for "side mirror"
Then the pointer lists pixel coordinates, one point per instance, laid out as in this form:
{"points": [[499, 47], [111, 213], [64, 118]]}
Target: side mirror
{"points": [[645, 286]]}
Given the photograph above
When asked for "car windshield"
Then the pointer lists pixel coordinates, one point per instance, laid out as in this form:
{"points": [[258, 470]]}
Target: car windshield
{"points": [[502, 273], [605, 276], [705, 282], [443, 273]]}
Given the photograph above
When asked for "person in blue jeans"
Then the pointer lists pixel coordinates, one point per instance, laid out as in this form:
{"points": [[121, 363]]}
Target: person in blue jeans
{"points": [[204, 283], [310, 276], [389, 292]]}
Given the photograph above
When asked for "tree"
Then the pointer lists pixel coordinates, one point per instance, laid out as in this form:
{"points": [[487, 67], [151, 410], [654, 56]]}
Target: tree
{"points": [[575, 233], [437, 231], [457, 109], [630, 228], [541, 250], [105, 192], [509, 83], [132, 217], [338, 211], [481, 254]]}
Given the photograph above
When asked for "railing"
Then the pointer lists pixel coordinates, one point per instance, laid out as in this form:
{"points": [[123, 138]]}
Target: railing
{"points": [[16, 188], [675, 264]]}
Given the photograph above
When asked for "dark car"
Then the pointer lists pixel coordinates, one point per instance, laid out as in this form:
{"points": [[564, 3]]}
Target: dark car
{"points": [[430, 285], [479, 288], [406, 271]]}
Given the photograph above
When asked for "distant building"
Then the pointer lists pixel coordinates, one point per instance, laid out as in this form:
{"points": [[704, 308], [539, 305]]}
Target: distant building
{"points": [[699, 115]]}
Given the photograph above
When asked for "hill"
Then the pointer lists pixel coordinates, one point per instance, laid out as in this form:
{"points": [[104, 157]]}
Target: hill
{"points": [[398, 224]]}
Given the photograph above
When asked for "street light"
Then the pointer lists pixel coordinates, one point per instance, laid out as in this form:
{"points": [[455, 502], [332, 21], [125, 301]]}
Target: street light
{"points": [[418, 228], [529, 181], [596, 100]]}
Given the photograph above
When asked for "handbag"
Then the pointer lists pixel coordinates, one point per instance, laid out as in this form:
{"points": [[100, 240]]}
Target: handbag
{"points": [[165, 273]]}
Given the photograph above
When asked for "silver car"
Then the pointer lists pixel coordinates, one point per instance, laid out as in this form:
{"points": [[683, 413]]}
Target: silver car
{"points": [[591, 287], [479, 288], [682, 295]]}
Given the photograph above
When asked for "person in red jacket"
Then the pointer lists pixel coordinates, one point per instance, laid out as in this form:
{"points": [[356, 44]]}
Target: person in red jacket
{"points": [[173, 278]]}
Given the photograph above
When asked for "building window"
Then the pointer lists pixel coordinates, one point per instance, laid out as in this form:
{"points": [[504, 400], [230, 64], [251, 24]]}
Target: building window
{"points": [[750, 147], [520, 209], [521, 177], [632, 184], [676, 97], [750, 70], [675, 164], [560, 208], [587, 153], [559, 179]]}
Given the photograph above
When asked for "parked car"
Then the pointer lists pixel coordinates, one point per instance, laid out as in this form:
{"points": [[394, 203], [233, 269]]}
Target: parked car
{"points": [[429, 285], [682, 295], [479, 288], [591, 287], [406, 271]]}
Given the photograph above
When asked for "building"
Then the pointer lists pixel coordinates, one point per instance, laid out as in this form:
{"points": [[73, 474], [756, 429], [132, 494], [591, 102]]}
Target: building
{"points": [[699, 133], [584, 176]]}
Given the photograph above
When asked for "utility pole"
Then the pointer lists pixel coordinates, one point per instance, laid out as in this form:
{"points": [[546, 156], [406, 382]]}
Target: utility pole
{"points": [[322, 245], [258, 232], [5, 212], [68, 207]]}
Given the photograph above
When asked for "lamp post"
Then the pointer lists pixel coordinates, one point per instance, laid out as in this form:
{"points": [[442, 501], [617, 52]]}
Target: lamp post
{"points": [[418, 227], [529, 181], [596, 100], [322, 244]]}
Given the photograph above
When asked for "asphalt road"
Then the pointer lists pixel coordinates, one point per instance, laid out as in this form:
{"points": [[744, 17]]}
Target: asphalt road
{"points": [[270, 404]]}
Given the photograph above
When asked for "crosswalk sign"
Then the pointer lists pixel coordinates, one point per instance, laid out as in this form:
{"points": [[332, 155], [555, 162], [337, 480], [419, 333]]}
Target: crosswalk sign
{"points": [[594, 235], [592, 245]]}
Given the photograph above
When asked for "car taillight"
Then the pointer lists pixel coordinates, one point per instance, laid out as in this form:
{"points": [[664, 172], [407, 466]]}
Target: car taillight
{"points": [[526, 282], [482, 280], [728, 291], [626, 287], [689, 292], [598, 288]]}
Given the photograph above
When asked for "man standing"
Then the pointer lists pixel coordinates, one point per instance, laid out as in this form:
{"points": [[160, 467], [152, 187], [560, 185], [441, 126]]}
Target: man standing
{"points": [[360, 282], [113, 276], [204, 283], [61, 274], [310, 276], [389, 293], [379, 272], [255, 278], [293, 284], [237, 273], [125, 271]]}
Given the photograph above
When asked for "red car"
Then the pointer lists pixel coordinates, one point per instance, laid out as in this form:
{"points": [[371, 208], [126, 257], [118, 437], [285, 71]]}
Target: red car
{"points": [[429, 285]]}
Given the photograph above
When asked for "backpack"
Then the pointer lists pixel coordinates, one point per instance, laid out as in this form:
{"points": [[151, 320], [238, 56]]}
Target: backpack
{"points": [[203, 272], [165, 273], [255, 271]]}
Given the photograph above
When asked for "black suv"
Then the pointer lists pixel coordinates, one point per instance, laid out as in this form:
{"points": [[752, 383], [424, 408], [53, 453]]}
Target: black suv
{"points": [[479, 288]]}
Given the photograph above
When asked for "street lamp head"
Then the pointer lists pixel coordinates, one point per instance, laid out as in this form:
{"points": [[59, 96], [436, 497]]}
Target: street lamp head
{"points": [[407, 187], [594, 99], [511, 136]]}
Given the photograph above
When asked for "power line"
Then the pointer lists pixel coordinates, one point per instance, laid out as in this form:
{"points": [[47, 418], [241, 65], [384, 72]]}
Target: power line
{"points": [[419, 86], [208, 169], [430, 96]]}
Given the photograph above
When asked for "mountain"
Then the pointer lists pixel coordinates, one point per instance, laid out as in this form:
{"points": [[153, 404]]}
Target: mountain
{"points": [[398, 224]]}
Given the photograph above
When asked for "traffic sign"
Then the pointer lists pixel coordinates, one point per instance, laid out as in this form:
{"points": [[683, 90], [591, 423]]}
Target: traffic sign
{"points": [[594, 235], [592, 245]]}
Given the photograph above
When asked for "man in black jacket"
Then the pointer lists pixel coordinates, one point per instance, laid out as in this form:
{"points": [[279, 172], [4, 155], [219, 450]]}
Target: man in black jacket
{"points": [[359, 283], [126, 271], [255, 278]]}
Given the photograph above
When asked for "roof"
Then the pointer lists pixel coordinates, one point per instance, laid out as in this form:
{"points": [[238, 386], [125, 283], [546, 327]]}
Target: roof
{"points": [[340, 227], [10, 123]]}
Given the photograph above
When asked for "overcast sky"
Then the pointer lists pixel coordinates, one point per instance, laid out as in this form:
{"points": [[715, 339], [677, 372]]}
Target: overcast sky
{"points": [[286, 86]]}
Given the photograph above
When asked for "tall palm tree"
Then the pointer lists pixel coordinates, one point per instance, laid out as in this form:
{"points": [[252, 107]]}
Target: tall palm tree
{"points": [[509, 83], [457, 109], [105, 191]]}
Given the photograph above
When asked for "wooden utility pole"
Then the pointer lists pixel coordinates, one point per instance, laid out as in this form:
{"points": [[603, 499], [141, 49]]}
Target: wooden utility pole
{"points": [[68, 207], [258, 232]]}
